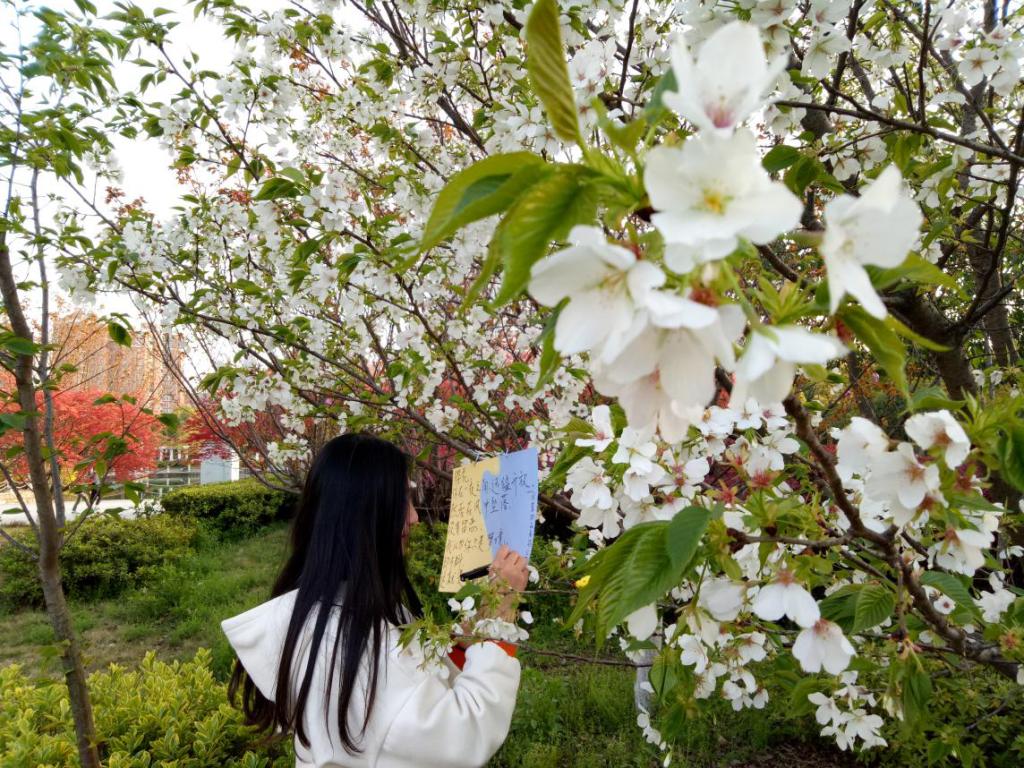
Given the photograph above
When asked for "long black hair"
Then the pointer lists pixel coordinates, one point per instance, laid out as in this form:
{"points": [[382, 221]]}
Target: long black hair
{"points": [[347, 532]]}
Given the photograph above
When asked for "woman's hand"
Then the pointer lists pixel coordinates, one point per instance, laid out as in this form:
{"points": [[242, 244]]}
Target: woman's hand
{"points": [[510, 566]]}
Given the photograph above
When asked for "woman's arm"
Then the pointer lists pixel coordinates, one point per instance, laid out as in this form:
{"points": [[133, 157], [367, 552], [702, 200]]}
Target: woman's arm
{"points": [[459, 724]]}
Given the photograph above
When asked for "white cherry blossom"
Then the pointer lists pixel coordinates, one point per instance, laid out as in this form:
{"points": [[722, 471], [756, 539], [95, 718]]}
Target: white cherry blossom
{"points": [[603, 282], [635, 448], [766, 369], [994, 604], [712, 191], [827, 709], [642, 622], [662, 371], [722, 598], [860, 443], [865, 726], [899, 475], [879, 227], [589, 484], [604, 434], [939, 428], [726, 81], [962, 550], [978, 63], [785, 597], [694, 653], [826, 43], [823, 645]]}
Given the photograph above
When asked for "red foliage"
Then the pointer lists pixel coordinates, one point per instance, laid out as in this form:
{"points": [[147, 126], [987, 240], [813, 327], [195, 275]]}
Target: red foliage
{"points": [[208, 435], [84, 430]]}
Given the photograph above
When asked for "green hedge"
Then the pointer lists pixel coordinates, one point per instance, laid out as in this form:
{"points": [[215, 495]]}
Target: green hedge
{"points": [[158, 714], [233, 509], [103, 557]]}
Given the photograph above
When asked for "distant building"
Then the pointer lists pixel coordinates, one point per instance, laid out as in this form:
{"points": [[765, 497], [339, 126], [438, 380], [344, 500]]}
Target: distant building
{"points": [[81, 339]]}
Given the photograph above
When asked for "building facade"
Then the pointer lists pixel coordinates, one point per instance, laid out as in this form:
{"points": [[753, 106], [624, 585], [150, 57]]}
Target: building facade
{"points": [[81, 341]]}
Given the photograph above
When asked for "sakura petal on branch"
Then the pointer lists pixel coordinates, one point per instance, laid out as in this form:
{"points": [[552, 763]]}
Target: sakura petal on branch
{"points": [[722, 598], [940, 429], [642, 623], [712, 191], [899, 475], [784, 597], [603, 431], [594, 274], [726, 81], [823, 646], [879, 227], [861, 442], [766, 369]]}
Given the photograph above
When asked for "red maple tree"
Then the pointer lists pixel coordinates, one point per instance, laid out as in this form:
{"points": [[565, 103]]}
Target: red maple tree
{"points": [[89, 427]]}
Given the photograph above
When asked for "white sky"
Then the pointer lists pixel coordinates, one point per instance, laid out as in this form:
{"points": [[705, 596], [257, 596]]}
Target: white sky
{"points": [[146, 167]]}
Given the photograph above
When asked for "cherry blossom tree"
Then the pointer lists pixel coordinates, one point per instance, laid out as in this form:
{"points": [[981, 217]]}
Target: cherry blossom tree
{"points": [[675, 246]]}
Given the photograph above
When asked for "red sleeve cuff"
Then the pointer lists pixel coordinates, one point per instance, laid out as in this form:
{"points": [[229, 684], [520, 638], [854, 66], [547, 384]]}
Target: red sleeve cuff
{"points": [[458, 654], [508, 648]]}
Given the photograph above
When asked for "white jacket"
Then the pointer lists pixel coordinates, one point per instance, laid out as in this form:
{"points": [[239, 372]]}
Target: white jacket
{"points": [[423, 717]]}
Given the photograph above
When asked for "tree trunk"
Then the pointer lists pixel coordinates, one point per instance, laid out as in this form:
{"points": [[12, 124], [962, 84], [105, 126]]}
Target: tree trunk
{"points": [[996, 321], [49, 531], [924, 318]]}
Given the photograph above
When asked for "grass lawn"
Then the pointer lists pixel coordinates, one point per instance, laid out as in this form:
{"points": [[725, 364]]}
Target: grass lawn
{"points": [[567, 714]]}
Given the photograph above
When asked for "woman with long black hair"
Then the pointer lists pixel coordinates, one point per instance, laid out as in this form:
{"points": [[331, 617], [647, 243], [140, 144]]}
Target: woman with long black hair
{"points": [[321, 659]]}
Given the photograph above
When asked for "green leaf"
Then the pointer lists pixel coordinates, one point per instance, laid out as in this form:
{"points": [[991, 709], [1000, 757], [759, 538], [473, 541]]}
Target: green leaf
{"points": [[779, 157], [14, 420], [549, 357], [799, 704], [918, 270], [488, 268], [841, 606], [625, 136], [549, 75], [953, 588], [544, 214], [20, 346], [1010, 452], [639, 567], [169, 420], [883, 342], [119, 334], [932, 399], [275, 188], [663, 675], [913, 336], [483, 189], [684, 534], [295, 174], [874, 605], [917, 693], [656, 105]]}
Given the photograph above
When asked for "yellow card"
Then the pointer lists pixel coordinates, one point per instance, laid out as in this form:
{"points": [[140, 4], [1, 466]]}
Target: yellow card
{"points": [[467, 546]]}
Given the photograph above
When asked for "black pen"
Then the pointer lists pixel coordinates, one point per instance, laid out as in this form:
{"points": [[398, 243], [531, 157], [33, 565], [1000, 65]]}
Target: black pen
{"points": [[476, 573]]}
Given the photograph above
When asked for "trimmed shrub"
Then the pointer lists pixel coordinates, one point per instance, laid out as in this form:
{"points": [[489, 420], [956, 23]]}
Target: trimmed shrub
{"points": [[233, 509], [423, 563], [103, 557], [157, 714]]}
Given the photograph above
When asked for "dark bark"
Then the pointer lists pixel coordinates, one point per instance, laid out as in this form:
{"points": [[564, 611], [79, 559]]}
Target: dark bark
{"points": [[49, 531], [996, 321], [923, 317]]}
